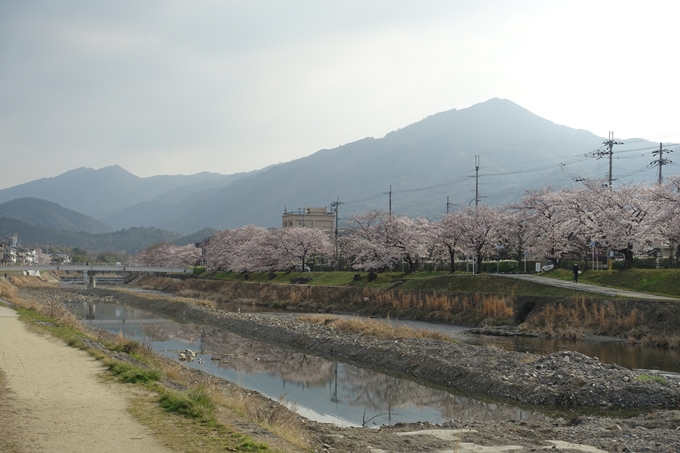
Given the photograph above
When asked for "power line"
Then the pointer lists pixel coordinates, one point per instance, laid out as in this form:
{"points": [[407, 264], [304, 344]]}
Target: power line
{"points": [[661, 161], [610, 152]]}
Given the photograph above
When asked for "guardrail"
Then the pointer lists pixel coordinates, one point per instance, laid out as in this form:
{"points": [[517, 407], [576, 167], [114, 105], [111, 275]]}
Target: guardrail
{"points": [[99, 268]]}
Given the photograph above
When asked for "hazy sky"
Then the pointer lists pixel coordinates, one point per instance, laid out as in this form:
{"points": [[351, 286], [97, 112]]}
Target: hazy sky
{"points": [[180, 87]]}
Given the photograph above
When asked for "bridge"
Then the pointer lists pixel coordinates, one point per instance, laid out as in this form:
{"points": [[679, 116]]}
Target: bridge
{"points": [[89, 269]]}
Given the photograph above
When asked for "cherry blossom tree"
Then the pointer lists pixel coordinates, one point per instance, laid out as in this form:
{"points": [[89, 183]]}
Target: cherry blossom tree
{"points": [[165, 254], [447, 232], [618, 217], [379, 240], [244, 249], [299, 244], [41, 257], [664, 222], [548, 222], [479, 232]]}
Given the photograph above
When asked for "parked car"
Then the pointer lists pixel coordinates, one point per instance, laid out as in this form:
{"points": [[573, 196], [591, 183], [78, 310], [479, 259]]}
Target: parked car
{"points": [[299, 268], [548, 267]]}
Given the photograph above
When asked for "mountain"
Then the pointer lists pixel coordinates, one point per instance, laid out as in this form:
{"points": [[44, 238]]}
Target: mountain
{"points": [[130, 240], [437, 154], [421, 166], [98, 193], [50, 215]]}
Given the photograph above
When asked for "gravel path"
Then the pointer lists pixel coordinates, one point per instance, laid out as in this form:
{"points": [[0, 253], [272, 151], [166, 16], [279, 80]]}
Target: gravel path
{"points": [[54, 400]]}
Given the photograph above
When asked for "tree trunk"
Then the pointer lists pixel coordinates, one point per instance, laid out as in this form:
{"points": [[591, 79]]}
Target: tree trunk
{"points": [[452, 255], [478, 270], [628, 257]]}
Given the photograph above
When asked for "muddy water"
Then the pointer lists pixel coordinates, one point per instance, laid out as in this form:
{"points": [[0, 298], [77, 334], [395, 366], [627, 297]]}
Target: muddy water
{"points": [[325, 391]]}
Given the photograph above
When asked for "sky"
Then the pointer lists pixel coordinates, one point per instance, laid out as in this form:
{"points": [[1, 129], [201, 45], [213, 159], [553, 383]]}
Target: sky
{"points": [[177, 87]]}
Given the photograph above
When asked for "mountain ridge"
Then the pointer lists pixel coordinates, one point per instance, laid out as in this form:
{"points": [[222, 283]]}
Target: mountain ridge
{"points": [[423, 165]]}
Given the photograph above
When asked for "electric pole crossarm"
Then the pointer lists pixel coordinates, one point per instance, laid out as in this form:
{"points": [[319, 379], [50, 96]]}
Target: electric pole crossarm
{"points": [[609, 143], [661, 161]]}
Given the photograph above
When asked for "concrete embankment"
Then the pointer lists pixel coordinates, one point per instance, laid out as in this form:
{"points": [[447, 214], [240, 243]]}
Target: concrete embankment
{"points": [[564, 379]]}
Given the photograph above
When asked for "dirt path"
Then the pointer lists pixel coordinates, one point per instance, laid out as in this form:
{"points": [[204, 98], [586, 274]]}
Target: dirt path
{"points": [[586, 287], [52, 399]]}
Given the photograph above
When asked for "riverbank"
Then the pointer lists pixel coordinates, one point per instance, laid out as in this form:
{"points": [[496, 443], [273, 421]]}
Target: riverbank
{"points": [[653, 431], [561, 380], [499, 301]]}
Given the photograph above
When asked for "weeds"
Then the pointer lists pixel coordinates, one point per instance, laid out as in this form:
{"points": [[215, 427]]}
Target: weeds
{"points": [[195, 403], [573, 318], [132, 374], [647, 378], [373, 328]]}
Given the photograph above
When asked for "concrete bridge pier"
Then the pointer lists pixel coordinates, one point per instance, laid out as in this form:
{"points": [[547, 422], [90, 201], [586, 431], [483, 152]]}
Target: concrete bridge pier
{"points": [[91, 282]]}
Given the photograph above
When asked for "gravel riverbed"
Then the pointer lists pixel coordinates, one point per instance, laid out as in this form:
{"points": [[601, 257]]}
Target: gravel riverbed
{"points": [[591, 397]]}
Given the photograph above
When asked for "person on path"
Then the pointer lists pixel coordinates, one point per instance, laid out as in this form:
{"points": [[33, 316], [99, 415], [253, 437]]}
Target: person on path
{"points": [[575, 273]]}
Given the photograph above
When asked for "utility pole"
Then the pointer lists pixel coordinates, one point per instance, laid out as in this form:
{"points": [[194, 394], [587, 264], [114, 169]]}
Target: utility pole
{"points": [[476, 181], [610, 152], [335, 205], [448, 205], [390, 194], [661, 161]]}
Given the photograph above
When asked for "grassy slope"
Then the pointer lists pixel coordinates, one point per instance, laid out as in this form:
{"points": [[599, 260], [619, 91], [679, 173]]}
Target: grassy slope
{"points": [[664, 282], [423, 281]]}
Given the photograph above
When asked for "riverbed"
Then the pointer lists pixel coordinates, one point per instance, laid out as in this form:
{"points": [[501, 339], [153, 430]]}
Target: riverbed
{"points": [[323, 390]]}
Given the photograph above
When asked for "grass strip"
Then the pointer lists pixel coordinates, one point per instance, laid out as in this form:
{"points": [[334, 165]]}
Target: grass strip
{"points": [[183, 421]]}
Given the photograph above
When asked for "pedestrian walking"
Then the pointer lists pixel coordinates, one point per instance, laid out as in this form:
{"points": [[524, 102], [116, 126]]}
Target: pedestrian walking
{"points": [[576, 271]]}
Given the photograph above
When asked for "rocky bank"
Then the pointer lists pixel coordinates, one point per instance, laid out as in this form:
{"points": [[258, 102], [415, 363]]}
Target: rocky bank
{"points": [[565, 381], [562, 380]]}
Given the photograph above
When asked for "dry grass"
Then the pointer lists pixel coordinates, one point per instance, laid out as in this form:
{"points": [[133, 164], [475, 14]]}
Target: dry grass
{"points": [[22, 281], [52, 309], [280, 418], [276, 418], [7, 290], [373, 328], [574, 319], [188, 299]]}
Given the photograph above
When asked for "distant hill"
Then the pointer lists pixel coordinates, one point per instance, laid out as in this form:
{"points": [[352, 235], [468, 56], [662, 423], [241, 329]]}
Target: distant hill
{"points": [[130, 240], [50, 215], [98, 193], [424, 164]]}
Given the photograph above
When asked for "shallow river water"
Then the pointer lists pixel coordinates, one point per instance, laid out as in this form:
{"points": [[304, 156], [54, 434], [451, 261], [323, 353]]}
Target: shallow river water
{"points": [[325, 391]]}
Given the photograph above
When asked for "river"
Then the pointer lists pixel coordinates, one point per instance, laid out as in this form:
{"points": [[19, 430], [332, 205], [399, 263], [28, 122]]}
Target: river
{"points": [[323, 390]]}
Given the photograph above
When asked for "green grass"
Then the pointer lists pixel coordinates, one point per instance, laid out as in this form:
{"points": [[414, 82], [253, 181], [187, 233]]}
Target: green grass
{"points": [[129, 373], [423, 281], [486, 284], [200, 432], [646, 378], [662, 282], [195, 403]]}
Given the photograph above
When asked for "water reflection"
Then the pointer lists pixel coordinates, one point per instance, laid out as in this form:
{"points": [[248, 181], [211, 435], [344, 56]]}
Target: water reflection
{"points": [[619, 353], [325, 391]]}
